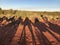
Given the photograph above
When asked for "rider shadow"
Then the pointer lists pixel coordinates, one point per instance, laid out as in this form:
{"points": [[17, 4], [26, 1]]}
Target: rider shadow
{"points": [[26, 22], [12, 28], [41, 27], [53, 27], [3, 18], [11, 19]]}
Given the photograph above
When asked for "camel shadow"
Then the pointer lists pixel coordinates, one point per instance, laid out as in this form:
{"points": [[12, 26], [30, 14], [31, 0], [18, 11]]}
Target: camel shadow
{"points": [[41, 27], [54, 27], [9, 31], [28, 23]]}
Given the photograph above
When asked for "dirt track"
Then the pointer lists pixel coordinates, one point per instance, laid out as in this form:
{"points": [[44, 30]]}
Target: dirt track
{"points": [[30, 33]]}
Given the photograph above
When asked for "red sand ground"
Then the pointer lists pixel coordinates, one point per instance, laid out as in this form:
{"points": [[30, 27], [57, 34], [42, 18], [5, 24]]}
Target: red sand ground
{"points": [[18, 35]]}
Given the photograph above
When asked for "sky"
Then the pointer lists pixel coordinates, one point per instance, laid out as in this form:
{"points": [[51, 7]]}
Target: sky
{"points": [[32, 5]]}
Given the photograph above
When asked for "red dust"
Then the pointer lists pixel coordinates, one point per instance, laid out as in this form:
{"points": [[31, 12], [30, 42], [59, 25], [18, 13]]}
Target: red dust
{"points": [[30, 34]]}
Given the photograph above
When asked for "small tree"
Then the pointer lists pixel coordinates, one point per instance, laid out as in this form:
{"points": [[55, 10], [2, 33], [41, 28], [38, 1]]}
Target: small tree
{"points": [[11, 11], [14, 12], [0, 10], [3, 12]]}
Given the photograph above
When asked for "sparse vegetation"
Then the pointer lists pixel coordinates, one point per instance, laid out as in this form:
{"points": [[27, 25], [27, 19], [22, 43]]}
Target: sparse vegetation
{"points": [[30, 14]]}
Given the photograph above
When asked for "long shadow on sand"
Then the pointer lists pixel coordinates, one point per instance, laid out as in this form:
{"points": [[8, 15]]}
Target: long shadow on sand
{"points": [[54, 27], [22, 41], [8, 32], [41, 28]]}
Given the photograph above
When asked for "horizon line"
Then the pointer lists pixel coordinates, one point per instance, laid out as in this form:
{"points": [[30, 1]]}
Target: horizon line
{"points": [[38, 10]]}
